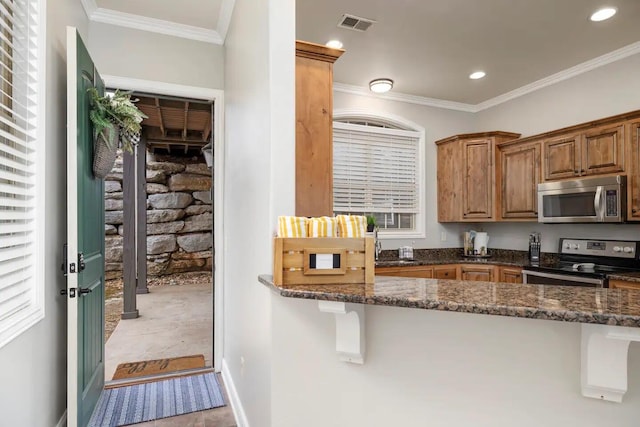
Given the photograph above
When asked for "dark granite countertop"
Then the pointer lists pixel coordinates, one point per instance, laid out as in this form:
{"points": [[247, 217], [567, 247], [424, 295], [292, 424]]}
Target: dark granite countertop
{"points": [[562, 303]]}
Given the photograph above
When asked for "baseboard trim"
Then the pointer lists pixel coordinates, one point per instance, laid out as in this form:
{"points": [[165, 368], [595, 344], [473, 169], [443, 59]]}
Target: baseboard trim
{"points": [[63, 420], [236, 405]]}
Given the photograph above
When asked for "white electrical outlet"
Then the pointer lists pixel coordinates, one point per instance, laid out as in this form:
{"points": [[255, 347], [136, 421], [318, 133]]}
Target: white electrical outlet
{"points": [[443, 236]]}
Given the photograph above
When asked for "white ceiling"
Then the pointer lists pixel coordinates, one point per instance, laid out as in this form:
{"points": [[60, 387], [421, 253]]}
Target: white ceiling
{"points": [[429, 48], [197, 13]]}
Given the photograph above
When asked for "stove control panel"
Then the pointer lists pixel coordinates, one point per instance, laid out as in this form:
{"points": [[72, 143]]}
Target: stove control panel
{"points": [[602, 248]]}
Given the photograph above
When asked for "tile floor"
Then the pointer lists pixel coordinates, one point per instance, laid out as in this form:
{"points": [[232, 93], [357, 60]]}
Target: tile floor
{"points": [[217, 417]]}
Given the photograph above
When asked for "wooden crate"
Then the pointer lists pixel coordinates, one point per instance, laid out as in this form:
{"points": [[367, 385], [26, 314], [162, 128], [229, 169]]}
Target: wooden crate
{"points": [[301, 261]]}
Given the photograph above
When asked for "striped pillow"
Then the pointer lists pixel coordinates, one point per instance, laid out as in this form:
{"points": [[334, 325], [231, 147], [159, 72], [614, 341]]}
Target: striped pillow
{"points": [[324, 226], [292, 226], [352, 225]]}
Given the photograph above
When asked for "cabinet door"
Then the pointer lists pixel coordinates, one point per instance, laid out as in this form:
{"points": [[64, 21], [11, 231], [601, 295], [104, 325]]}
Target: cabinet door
{"points": [[510, 275], [408, 271], [633, 178], [477, 192], [449, 194], [519, 176], [445, 272], [483, 273], [603, 150], [562, 157], [623, 284]]}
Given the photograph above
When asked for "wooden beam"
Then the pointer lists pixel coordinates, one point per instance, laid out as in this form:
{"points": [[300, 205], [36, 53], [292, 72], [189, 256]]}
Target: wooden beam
{"points": [[154, 135], [162, 129], [207, 127], [186, 120]]}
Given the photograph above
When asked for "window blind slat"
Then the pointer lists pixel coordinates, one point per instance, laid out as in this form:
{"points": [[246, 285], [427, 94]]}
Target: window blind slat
{"points": [[20, 101], [375, 169]]}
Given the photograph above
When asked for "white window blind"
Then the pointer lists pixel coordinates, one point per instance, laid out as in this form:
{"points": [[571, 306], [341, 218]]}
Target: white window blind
{"points": [[19, 98], [375, 169]]}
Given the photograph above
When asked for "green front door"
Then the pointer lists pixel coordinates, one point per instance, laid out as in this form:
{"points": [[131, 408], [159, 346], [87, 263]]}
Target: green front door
{"points": [[85, 240]]}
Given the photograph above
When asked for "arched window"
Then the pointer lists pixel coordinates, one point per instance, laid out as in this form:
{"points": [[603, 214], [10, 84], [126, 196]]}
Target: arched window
{"points": [[378, 169]]}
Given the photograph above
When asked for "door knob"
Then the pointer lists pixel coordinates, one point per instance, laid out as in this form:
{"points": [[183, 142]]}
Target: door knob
{"points": [[84, 291]]}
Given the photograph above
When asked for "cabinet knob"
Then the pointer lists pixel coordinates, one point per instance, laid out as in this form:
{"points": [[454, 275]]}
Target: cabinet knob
{"points": [[576, 171], [634, 210]]}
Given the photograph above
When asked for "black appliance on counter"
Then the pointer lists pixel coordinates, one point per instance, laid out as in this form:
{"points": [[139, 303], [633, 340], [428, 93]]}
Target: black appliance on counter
{"points": [[586, 262]]}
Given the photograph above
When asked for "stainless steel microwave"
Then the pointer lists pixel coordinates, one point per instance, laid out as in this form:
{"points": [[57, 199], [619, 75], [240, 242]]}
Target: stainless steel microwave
{"points": [[601, 199]]}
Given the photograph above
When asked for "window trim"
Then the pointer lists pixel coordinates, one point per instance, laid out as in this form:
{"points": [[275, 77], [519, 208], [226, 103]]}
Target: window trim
{"points": [[401, 122], [22, 321]]}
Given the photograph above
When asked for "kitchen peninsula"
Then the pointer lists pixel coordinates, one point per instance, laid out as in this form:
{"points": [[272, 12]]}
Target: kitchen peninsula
{"points": [[606, 322]]}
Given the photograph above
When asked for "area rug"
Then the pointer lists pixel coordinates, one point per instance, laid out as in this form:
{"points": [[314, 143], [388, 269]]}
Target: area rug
{"points": [[158, 366], [151, 401]]}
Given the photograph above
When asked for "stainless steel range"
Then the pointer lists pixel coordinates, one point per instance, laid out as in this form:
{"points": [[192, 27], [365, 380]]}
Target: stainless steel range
{"points": [[586, 262]]}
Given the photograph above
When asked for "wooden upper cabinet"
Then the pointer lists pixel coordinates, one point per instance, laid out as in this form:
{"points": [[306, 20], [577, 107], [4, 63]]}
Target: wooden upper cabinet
{"points": [[562, 157], [633, 178], [449, 182], [466, 176], [518, 177], [314, 128], [594, 151], [603, 150], [477, 179]]}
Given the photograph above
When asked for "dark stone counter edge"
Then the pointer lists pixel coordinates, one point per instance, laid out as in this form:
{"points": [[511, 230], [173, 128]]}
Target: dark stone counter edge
{"points": [[497, 310]]}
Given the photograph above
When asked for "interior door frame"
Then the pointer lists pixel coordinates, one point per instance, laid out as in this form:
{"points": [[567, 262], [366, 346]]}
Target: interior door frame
{"points": [[217, 97]]}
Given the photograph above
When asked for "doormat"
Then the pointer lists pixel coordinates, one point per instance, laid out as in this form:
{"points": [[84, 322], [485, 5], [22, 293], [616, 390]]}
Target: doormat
{"points": [[158, 366], [161, 399]]}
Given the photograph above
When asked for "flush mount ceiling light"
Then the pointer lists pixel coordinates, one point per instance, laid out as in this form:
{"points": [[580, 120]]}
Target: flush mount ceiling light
{"points": [[334, 44], [381, 85], [603, 14], [477, 75]]}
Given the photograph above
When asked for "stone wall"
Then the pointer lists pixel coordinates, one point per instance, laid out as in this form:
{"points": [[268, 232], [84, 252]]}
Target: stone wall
{"points": [[179, 216]]}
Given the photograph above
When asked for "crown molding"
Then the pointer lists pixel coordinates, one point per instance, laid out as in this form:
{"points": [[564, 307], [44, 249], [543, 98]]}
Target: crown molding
{"points": [[89, 6], [403, 97], [574, 71], [224, 18]]}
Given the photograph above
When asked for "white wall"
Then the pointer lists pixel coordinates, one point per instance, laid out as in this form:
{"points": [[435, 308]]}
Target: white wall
{"points": [[126, 52], [33, 366], [603, 92], [259, 185], [436, 369], [438, 123]]}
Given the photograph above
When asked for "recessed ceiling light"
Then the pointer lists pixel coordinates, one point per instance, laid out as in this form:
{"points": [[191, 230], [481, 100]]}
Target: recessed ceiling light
{"points": [[603, 14], [477, 75], [334, 44], [380, 85]]}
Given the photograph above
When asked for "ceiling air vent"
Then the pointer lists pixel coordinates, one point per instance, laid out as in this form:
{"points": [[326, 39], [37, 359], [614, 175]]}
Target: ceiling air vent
{"points": [[356, 23]]}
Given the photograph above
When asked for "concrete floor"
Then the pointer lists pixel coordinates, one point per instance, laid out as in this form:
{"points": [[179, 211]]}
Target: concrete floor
{"points": [[174, 321]]}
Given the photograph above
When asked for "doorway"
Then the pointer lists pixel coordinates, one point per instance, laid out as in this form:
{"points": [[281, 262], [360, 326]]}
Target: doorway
{"points": [[174, 303]]}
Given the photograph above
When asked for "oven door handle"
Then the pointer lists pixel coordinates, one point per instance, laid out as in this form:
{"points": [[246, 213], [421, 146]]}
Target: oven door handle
{"points": [[566, 277], [598, 205]]}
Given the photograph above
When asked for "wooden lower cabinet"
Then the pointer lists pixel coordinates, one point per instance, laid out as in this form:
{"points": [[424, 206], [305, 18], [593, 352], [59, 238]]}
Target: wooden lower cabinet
{"points": [[473, 272], [419, 271], [510, 274], [482, 273], [449, 272], [623, 284]]}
